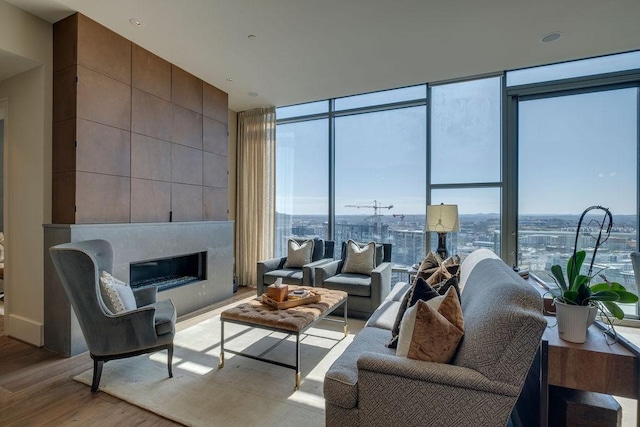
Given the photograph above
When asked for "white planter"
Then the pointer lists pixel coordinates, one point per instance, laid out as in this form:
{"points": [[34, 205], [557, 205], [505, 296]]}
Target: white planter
{"points": [[573, 321]]}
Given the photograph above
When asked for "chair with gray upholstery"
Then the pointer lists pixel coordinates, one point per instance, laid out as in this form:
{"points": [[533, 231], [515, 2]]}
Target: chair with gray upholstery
{"points": [[366, 291], [273, 269], [146, 329], [635, 261]]}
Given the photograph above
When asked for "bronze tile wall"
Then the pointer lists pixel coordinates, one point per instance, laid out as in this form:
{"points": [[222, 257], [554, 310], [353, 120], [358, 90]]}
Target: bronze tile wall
{"points": [[135, 138]]}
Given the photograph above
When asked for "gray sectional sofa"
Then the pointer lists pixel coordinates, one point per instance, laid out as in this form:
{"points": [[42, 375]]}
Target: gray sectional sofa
{"points": [[368, 385]]}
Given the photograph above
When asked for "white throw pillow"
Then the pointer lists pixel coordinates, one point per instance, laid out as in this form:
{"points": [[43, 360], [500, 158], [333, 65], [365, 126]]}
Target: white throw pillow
{"points": [[116, 294], [298, 254], [360, 260]]}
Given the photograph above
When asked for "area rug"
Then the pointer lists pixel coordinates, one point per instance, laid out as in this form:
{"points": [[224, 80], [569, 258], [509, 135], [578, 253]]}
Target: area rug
{"points": [[245, 392]]}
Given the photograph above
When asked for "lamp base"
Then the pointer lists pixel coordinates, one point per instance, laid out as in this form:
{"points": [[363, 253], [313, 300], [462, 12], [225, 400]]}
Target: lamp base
{"points": [[442, 245]]}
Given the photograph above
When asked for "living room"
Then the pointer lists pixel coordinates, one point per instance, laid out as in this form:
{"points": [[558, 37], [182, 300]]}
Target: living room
{"points": [[27, 93]]}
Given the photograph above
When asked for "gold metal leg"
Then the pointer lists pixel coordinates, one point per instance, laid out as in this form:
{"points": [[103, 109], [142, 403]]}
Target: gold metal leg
{"points": [[297, 387], [221, 364]]}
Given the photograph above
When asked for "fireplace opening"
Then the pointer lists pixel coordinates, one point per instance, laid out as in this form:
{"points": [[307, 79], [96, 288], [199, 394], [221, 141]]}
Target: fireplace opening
{"points": [[167, 273]]}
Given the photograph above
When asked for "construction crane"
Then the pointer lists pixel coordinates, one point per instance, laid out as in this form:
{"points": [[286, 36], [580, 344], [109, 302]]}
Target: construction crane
{"points": [[401, 216], [376, 206]]}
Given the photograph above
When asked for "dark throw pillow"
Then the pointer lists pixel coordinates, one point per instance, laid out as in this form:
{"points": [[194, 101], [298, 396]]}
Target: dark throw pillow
{"points": [[420, 290]]}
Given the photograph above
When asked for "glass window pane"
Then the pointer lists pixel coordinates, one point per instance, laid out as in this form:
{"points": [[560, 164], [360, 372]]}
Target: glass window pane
{"points": [[302, 181], [577, 151], [380, 180], [465, 132], [479, 213], [378, 98], [581, 68], [302, 109]]}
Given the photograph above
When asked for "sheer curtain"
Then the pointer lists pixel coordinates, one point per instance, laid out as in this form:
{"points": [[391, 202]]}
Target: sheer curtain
{"points": [[255, 209]]}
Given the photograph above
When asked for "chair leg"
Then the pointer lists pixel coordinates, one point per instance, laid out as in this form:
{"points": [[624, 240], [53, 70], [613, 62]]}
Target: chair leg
{"points": [[97, 373], [169, 359]]}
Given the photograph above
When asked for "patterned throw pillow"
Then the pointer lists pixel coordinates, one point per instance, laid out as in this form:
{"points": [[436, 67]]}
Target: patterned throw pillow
{"points": [[419, 291], [360, 260], [298, 254], [432, 334], [116, 294]]}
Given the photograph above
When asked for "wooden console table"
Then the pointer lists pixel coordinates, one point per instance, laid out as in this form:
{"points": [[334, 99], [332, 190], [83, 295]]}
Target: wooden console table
{"points": [[593, 366]]}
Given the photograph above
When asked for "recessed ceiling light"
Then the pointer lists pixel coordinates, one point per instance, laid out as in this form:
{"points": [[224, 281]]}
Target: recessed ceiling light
{"points": [[229, 79], [551, 37], [252, 94], [136, 22], [252, 37]]}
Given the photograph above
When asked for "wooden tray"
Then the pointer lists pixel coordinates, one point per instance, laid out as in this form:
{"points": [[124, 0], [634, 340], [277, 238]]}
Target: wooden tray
{"points": [[291, 303]]}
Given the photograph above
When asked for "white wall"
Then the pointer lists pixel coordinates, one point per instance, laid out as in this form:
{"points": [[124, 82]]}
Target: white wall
{"points": [[27, 170]]}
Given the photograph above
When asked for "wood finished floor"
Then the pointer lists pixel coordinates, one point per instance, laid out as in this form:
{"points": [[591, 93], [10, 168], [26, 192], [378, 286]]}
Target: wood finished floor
{"points": [[37, 389]]}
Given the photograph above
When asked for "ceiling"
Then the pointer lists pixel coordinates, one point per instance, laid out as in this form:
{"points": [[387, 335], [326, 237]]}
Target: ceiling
{"points": [[307, 50]]}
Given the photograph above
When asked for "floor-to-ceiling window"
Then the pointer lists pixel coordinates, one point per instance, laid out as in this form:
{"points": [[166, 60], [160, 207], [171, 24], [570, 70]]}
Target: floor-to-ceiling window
{"points": [[577, 148]]}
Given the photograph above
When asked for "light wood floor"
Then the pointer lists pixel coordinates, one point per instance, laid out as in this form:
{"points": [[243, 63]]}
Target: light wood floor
{"points": [[37, 389]]}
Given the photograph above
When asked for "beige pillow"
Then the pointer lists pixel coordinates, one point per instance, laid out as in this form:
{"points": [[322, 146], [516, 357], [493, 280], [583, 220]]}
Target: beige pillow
{"points": [[298, 254], [438, 276], [116, 294], [360, 260], [432, 334]]}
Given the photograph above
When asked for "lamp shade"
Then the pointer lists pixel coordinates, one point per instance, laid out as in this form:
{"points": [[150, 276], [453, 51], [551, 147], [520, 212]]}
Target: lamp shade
{"points": [[442, 218]]}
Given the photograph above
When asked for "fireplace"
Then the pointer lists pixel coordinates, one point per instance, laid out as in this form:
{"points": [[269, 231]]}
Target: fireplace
{"points": [[168, 273]]}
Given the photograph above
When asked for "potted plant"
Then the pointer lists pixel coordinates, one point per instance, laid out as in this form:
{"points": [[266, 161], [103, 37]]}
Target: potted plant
{"points": [[577, 300]]}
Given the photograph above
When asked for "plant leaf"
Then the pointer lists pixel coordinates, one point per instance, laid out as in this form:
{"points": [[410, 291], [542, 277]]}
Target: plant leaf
{"points": [[605, 296], [611, 286], [556, 270], [570, 297], [614, 309], [627, 297], [574, 265], [579, 281]]}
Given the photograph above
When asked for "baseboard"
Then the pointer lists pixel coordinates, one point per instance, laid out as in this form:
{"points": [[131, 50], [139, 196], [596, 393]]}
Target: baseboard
{"points": [[24, 329]]}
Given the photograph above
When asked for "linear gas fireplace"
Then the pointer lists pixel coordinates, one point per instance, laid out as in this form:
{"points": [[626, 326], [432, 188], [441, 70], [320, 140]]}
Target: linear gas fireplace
{"points": [[170, 272]]}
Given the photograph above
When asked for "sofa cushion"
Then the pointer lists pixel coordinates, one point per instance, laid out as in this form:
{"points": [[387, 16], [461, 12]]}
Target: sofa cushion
{"points": [[385, 316], [288, 275], [353, 284], [298, 254], [419, 291], [341, 380], [431, 330]]}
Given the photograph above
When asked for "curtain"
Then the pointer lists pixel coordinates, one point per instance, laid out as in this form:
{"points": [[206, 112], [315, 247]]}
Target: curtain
{"points": [[255, 206]]}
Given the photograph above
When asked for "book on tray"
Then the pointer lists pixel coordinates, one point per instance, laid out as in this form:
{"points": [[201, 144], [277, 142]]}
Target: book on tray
{"points": [[298, 293]]}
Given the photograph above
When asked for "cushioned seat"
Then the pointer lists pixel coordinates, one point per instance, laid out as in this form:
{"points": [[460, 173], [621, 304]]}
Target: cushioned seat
{"points": [[112, 331], [270, 270], [366, 291]]}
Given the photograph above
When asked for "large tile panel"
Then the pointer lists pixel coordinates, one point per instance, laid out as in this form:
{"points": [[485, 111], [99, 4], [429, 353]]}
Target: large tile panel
{"points": [[186, 202], [150, 73], [215, 136], [104, 100], [215, 103], [103, 149], [150, 158], [186, 165], [150, 200], [186, 127], [150, 115], [215, 170], [65, 43], [186, 89], [216, 204], [65, 94], [64, 198], [102, 198], [63, 149], [103, 51]]}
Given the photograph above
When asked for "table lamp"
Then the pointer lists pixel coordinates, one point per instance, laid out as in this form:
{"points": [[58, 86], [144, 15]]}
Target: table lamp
{"points": [[442, 219]]}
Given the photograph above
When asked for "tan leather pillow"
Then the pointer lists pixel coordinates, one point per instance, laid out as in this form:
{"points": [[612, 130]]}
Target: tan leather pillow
{"points": [[432, 334], [438, 276]]}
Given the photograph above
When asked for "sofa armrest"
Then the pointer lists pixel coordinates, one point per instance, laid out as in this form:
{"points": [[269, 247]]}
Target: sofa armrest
{"points": [[145, 296], [324, 271], [309, 271], [266, 266], [433, 393], [380, 283]]}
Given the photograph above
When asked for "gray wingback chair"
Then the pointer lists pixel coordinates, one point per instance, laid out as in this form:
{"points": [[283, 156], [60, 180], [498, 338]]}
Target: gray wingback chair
{"points": [[366, 293], [273, 269], [635, 261], [147, 329]]}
